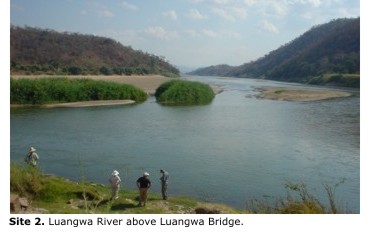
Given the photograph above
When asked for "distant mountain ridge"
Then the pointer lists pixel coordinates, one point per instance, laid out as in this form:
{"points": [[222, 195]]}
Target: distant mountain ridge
{"points": [[40, 51], [331, 48]]}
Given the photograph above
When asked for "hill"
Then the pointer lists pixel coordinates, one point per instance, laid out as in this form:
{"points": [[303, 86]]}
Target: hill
{"points": [[332, 48], [43, 51]]}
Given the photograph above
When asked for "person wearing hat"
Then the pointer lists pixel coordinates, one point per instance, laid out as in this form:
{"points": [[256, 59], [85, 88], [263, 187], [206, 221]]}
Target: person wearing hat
{"points": [[32, 157], [115, 181], [143, 183], [164, 183]]}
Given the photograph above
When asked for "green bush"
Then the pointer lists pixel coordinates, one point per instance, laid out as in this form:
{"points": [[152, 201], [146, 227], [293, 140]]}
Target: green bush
{"points": [[181, 92], [57, 90]]}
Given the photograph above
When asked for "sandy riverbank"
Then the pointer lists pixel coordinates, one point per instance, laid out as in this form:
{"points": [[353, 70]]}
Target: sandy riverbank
{"points": [[287, 94]]}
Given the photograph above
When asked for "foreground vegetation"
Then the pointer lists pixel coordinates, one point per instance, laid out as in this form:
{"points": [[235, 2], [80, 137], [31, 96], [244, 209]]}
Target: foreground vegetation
{"points": [[58, 195], [59, 90], [182, 92]]}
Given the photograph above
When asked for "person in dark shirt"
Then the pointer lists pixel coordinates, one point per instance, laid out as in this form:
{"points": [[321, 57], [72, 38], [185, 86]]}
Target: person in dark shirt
{"points": [[143, 183], [164, 183]]}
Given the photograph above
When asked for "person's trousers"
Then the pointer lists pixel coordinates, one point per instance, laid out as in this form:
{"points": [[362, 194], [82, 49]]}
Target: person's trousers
{"points": [[143, 195], [164, 191]]}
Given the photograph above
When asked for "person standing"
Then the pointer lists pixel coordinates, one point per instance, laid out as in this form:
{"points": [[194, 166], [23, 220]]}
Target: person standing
{"points": [[32, 157], [143, 183], [115, 181], [164, 183]]}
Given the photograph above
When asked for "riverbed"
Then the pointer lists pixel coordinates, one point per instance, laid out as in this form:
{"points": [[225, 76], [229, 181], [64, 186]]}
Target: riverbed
{"points": [[236, 149]]}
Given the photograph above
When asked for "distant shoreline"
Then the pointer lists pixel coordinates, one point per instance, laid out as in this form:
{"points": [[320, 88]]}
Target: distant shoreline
{"points": [[290, 94]]}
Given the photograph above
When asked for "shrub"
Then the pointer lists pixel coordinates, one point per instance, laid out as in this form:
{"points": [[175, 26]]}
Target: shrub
{"points": [[181, 92]]}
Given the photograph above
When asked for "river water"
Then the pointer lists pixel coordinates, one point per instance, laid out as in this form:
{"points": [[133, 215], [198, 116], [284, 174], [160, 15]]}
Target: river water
{"points": [[236, 149]]}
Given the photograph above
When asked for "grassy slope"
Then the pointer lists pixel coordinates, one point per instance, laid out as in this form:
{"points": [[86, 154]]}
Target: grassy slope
{"points": [[62, 196], [58, 195]]}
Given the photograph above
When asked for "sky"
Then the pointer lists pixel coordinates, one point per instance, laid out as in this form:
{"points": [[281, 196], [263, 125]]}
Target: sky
{"points": [[188, 33]]}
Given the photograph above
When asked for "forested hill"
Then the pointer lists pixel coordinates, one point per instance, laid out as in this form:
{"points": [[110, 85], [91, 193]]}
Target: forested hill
{"points": [[40, 51], [327, 53]]}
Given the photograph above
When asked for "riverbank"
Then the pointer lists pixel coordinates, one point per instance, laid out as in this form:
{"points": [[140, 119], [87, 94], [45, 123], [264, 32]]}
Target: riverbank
{"points": [[32, 192], [287, 94], [45, 193]]}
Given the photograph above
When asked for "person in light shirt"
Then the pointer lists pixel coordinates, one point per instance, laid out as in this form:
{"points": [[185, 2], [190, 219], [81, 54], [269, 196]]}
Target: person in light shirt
{"points": [[115, 181]]}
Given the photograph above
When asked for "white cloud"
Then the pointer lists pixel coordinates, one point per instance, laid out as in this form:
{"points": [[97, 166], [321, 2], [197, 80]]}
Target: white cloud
{"points": [[223, 14], [105, 13], [315, 3], [160, 33], [196, 15], [221, 1], [210, 33], [231, 13], [277, 9], [192, 33], [129, 6], [269, 27], [171, 14]]}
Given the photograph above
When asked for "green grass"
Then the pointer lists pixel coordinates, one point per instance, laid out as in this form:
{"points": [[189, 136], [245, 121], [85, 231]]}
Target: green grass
{"points": [[181, 92], [59, 90], [62, 196]]}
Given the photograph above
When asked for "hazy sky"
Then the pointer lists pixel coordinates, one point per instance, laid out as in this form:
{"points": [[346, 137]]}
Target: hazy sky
{"points": [[192, 33]]}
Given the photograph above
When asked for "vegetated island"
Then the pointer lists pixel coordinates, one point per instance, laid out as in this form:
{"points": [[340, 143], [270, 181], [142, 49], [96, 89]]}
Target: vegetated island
{"points": [[184, 92], [84, 91], [287, 94], [81, 91]]}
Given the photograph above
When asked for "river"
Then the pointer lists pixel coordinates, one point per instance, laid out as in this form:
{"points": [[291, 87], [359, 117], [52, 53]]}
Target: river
{"points": [[236, 149]]}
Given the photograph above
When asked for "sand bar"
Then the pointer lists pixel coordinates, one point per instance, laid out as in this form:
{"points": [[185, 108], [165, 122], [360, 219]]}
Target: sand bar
{"points": [[290, 94]]}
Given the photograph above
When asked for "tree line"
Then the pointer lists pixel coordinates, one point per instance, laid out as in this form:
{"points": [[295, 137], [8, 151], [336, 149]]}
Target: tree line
{"points": [[45, 51], [331, 48]]}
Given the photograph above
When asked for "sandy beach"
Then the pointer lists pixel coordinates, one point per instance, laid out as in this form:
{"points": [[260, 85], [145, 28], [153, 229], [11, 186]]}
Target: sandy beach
{"points": [[286, 94]]}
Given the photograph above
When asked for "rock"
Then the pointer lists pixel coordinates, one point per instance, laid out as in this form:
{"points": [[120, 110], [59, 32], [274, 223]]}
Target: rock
{"points": [[204, 210], [14, 203], [18, 203]]}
